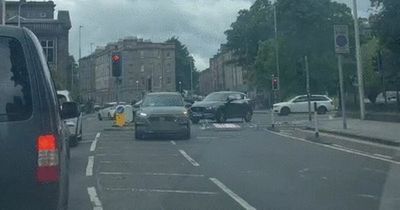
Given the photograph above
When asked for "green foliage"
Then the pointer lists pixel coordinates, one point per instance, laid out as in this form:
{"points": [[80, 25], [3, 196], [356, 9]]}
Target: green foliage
{"points": [[372, 81], [184, 63], [305, 28]]}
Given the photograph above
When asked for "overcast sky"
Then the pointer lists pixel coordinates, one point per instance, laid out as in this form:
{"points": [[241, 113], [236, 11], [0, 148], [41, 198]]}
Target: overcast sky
{"points": [[199, 24]]}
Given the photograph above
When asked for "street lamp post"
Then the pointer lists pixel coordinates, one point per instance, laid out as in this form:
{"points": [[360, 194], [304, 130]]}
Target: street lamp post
{"points": [[180, 86], [191, 75], [359, 63], [80, 39], [3, 12], [161, 84], [137, 87], [276, 49]]}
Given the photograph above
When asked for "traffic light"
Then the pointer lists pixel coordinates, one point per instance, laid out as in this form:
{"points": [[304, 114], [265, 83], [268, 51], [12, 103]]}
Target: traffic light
{"points": [[116, 66], [275, 83]]}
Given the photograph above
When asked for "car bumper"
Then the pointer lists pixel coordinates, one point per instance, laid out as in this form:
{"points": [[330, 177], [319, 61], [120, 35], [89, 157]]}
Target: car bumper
{"points": [[202, 115], [276, 109]]}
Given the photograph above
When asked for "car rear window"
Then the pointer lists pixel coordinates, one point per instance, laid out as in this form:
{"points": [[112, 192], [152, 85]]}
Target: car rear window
{"points": [[15, 87]]}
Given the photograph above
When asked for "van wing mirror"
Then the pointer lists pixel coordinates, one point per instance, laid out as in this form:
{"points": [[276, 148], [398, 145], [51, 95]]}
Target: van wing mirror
{"points": [[69, 110]]}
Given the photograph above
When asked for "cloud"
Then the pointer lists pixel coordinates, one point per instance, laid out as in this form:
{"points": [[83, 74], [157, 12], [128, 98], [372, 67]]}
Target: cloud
{"points": [[199, 24]]}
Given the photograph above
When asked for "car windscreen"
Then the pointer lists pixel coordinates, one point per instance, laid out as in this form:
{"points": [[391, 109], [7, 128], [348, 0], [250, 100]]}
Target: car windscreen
{"points": [[217, 97], [15, 87], [162, 100]]}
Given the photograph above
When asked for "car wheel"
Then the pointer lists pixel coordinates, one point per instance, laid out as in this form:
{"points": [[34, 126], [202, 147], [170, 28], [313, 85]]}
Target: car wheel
{"points": [[221, 118], [195, 121], [248, 116], [138, 135], [285, 111], [187, 134], [99, 117], [321, 110]]}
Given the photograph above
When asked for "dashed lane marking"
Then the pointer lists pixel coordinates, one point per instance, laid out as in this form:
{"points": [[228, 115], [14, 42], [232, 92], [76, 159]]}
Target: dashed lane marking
{"points": [[233, 195], [191, 160], [94, 143], [151, 174], [173, 142], [89, 167], [162, 191], [94, 198]]}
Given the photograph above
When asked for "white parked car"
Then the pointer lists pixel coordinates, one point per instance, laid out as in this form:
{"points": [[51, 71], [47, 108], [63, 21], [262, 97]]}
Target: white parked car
{"points": [[299, 104], [391, 98], [108, 110], [74, 124]]}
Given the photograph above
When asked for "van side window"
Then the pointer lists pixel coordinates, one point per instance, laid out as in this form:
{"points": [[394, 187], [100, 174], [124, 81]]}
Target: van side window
{"points": [[15, 87]]}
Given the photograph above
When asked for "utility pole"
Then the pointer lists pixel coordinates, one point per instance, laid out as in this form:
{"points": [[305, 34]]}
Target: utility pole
{"points": [[359, 63], [191, 76], [80, 43], [308, 87], [3, 12], [276, 51], [342, 100]]}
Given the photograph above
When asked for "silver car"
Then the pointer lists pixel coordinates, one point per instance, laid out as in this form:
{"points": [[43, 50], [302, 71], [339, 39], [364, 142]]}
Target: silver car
{"points": [[162, 114]]}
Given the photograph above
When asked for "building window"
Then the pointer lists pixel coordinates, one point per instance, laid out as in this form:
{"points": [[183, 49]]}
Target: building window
{"points": [[142, 54], [142, 68], [48, 48], [168, 54], [168, 80], [43, 14], [168, 67]]}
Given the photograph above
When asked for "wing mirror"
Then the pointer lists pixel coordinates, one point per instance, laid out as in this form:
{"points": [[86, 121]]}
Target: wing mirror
{"points": [[69, 110]]}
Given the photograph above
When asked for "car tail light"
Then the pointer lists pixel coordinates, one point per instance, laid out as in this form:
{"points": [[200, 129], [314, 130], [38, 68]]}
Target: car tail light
{"points": [[48, 163]]}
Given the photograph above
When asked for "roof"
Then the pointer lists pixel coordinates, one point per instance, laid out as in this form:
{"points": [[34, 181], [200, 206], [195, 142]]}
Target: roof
{"points": [[12, 31], [228, 92]]}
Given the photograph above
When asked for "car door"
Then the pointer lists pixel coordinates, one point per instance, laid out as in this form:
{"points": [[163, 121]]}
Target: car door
{"points": [[233, 107], [299, 105]]}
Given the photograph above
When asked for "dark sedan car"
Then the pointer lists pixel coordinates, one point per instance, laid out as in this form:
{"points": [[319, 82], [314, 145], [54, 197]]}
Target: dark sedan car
{"points": [[221, 106], [162, 114]]}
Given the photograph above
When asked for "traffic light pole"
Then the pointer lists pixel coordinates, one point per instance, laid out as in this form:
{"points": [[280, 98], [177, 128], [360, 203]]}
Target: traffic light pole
{"points": [[308, 88]]}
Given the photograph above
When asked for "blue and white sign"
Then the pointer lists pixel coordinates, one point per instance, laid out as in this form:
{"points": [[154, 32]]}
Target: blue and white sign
{"points": [[341, 39]]}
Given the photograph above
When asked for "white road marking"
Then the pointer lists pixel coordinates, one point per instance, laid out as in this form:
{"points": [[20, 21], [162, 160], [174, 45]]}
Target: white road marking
{"points": [[341, 148], [383, 156], [226, 125], [94, 143], [233, 195], [366, 196], [141, 154], [193, 162], [94, 198], [151, 174], [162, 191], [173, 142], [89, 167]]}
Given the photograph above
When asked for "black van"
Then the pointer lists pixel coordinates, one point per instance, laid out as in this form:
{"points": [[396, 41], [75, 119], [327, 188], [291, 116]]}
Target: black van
{"points": [[34, 151]]}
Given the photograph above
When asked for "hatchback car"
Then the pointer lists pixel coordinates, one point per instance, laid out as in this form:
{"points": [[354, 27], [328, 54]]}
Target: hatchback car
{"points": [[221, 106], [162, 114], [33, 137], [299, 104]]}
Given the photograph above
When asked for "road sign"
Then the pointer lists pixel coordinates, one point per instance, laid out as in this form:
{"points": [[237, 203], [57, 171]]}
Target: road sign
{"points": [[341, 39]]}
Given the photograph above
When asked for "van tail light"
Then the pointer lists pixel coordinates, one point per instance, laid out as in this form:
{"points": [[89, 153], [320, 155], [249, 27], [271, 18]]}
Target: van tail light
{"points": [[48, 163]]}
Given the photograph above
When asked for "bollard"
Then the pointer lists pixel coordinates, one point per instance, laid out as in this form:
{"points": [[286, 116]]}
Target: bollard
{"points": [[316, 120], [272, 119]]}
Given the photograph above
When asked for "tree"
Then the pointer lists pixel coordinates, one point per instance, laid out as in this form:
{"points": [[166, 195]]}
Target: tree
{"points": [[373, 83], [184, 64], [305, 28]]}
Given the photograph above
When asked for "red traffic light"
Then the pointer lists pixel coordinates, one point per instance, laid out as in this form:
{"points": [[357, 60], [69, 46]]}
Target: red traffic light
{"points": [[115, 58]]}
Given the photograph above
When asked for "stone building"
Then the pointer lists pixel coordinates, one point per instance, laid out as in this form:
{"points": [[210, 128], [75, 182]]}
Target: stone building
{"points": [[224, 73], [52, 32], [146, 66]]}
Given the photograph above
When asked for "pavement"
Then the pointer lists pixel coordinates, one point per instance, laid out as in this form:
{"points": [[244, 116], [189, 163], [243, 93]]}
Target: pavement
{"points": [[381, 132], [236, 165]]}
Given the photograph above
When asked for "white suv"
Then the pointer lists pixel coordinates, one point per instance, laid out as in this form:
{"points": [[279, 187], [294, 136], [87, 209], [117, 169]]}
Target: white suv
{"points": [[300, 104]]}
